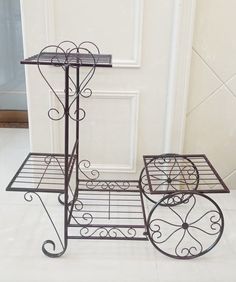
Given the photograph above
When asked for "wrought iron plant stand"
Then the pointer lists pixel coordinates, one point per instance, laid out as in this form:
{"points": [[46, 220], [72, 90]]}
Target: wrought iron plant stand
{"points": [[183, 223]]}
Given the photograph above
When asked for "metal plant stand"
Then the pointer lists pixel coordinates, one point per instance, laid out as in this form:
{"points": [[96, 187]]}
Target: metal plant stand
{"points": [[183, 222]]}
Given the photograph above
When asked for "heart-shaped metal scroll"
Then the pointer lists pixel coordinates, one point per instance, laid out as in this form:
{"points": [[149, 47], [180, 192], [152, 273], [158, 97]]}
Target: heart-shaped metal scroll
{"points": [[61, 55]]}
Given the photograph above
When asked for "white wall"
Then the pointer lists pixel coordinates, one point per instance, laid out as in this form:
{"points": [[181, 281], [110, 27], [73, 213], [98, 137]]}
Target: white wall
{"points": [[211, 112], [132, 103]]}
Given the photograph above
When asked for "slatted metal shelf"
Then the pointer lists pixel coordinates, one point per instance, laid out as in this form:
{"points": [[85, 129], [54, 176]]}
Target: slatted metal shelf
{"points": [[72, 59], [169, 173], [114, 212], [41, 172]]}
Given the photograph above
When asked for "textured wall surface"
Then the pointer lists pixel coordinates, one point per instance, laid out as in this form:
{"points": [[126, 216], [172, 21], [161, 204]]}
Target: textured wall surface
{"points": [[211, 112]]}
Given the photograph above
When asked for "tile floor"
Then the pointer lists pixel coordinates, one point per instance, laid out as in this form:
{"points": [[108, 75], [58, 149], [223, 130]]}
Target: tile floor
{"points": [[23, 228]]}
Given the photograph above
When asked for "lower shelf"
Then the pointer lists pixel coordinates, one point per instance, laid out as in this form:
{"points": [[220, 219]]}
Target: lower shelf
{"points": [[108, 214], [40, 172]]}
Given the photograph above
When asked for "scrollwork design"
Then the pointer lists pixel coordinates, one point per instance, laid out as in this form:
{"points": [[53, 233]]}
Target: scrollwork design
{"points": [[58, 115], [168, 173], [84, 220], [156, 230], [144, 186], [48, 160], [28, 196], [83, 90], [86, 93], [182, 233], [53, 247], [82, 114], [63, 54], [176, 200], [78, 206], [174, 171], [144, 182], [107, 232], [84, 168], [108, 185]]}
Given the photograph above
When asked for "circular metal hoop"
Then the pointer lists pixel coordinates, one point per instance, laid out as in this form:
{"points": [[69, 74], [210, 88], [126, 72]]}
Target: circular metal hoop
{"points": [[166, 174], [187, 230]]}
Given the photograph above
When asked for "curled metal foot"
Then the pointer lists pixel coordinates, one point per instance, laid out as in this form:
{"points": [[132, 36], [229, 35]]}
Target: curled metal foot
{"points": [[53, 247], [187, 230], [29, 198]]}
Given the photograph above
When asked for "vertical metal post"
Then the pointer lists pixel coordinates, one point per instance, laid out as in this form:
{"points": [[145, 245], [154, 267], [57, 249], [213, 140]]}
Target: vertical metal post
{"points": [[66, 183], [77, 129], [77, 145]]}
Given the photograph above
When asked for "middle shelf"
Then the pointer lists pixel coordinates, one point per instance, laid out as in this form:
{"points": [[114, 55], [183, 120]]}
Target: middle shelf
{"points": [[107, 210], [41, 172]]}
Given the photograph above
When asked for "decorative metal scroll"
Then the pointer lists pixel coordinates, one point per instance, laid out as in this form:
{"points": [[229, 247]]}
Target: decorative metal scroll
{"points": [[62, 56], [107, 214], [174, 172], [107, 185], [48, 243], [107, 232], [48, 160], [92, 176], [87, 172], [168, 173], [187, 230], [96, 202]]}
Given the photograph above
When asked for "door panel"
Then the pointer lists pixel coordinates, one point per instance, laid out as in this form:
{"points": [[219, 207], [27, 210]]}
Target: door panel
{"points": [[115, 26], [125, 117], [108, 132]]}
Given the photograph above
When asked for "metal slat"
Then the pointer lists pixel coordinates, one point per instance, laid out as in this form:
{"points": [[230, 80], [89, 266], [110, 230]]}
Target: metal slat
{"points": [[171, 172]]}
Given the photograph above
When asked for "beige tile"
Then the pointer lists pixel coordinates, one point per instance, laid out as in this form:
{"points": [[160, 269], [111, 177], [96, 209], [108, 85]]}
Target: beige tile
{"points": [[230, 180], [209, 130], [231, 83], [203, 82], [214, 35]]}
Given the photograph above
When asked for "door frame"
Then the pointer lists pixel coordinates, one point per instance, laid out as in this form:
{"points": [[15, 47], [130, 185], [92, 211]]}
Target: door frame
{"points": [[179, 75]]}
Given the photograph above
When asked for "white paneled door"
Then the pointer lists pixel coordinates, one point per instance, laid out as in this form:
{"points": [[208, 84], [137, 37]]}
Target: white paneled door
{"points": [[127, 113]]}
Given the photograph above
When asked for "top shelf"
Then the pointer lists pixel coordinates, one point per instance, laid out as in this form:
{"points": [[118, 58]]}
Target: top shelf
{"points": [[72, 59]]}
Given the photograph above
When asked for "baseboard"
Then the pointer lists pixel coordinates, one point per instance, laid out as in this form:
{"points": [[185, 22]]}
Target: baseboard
{"points": [[13, 118]]}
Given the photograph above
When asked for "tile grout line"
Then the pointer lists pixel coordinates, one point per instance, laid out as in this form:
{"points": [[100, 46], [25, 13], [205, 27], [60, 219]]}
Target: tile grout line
{"points": [[213, 93], [206, 63], [217, 76], [229, 175]]}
